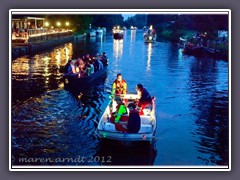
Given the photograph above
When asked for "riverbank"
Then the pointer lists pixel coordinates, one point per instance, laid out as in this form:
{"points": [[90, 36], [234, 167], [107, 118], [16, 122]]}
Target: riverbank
{"points": [[211, 44], [43, 44]]}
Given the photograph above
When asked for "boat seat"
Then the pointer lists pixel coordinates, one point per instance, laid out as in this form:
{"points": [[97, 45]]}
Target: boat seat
{"points": [[145, 128], [147, 112], [145, 125], [146, 120], [109, 126]]}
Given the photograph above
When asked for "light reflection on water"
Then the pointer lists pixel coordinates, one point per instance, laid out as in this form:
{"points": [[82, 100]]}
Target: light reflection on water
{"points": [[191, 93]]}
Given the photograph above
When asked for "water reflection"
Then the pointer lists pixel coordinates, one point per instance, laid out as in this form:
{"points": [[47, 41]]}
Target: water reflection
{"points": [[133, 36], [212, 107], [127, 153], [149, 54], [118, 48], [58, 124], [39, 73], [92, 39]]}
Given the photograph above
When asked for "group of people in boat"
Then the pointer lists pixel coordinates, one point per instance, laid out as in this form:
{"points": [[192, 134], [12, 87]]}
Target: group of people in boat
{"points": [[123, 121], [86, 65], [149, 32]]}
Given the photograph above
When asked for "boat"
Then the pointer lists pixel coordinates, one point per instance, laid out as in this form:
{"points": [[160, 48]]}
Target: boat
{"points": [[149, 38], [107, 131], [194, 50], [76, 81], [124, 28], [99, 32], [133, 28], [117, 33], [150, 35], [92, 33], [182, 42]]}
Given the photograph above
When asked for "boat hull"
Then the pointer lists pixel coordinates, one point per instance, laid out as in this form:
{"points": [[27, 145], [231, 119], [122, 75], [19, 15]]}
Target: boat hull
{"points": [[118, 36], [125, 136], [74, 81]]}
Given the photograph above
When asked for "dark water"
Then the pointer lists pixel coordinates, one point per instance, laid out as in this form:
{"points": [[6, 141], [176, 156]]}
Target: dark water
{"points": [[51, 122]]}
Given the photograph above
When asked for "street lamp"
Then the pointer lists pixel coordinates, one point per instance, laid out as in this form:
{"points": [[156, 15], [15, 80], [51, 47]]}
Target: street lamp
{"points": [[46, 24], [58, 24]]}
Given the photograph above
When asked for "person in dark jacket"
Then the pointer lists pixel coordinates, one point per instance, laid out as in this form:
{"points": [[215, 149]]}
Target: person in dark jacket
{"points": [[66, 67], [145, 98], [134, 121]]}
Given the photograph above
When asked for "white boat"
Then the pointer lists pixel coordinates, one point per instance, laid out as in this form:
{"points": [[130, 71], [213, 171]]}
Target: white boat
{"points": [[106, 129], [99, 32], [124, 28], [92, 33]]}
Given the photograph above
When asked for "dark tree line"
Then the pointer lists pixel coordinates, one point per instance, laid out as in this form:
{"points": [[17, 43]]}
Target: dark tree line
{"points": [[175, 25]]}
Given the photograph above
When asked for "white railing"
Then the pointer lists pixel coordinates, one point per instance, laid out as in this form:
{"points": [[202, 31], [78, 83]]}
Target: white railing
{"points": [[40, 31]]}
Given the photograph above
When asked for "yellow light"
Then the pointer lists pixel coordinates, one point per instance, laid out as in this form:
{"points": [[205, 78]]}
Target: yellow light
{"points": [[67, 23], [46, 24], [58, 24]]}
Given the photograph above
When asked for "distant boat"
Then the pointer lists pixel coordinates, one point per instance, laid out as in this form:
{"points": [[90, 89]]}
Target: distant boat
{"points": [[104, 30], [99, 32], [124, 28], [107, 130], [117, 33], [149, 35], [92, 33], [194, 50], [149, 38]]}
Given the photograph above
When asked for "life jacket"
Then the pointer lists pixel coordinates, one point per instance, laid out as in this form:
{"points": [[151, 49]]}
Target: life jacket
{"points": [[121, 111], [119, 86], [124, 110]]}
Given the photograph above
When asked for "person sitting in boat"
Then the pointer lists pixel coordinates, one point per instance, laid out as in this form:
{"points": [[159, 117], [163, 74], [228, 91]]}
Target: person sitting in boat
{"points": [[72, 67], [120, 116], [66, 67], [90, 68], [81, 67], [97, 64], [104, 59], [119, 86], [87, 58], [145, 98], [134, 121]]}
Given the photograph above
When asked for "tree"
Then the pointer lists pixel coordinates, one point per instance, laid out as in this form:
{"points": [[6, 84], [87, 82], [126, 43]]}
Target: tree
{"points": [[108, 21]]}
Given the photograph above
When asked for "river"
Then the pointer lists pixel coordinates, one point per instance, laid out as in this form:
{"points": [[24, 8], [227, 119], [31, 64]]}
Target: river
{"points": [[191, 102]]}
